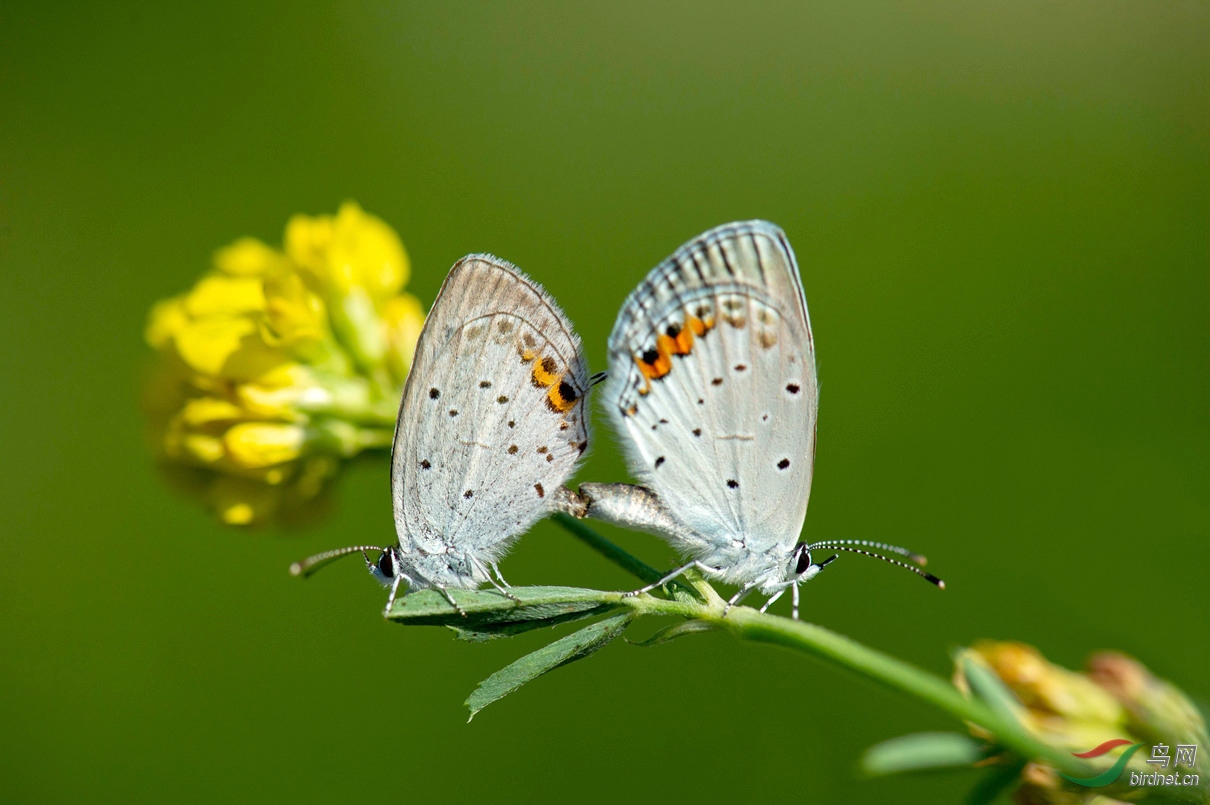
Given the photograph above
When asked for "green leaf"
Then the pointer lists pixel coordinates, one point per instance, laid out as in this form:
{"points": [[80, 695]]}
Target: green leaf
{"points": [[561, 652], [489, 611], [674, 631], [921, 751], [988, 688], [493, 630]]}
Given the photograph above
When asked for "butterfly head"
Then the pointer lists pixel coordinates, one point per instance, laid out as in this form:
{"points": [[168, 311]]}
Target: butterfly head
{"points": [[386, 567], [802, 565]]}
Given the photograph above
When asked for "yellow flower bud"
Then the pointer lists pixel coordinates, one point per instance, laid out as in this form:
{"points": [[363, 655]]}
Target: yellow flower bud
{"points": [[1116, 698], [353, 249], [263, 444], [248, 257], [1157, 708], [217, 295], [1047, 689], [239, 501], [293, 314], [203, 411], [168, 317], [229, 348], [285, 392], [277, 366], [197, 448]]}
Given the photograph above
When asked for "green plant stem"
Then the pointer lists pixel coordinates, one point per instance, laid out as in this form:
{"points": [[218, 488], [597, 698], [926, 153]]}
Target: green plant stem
{"points": [[748, 624]]}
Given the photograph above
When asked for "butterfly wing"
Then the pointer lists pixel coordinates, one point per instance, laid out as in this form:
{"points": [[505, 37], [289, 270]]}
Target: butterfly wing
{"points": [[713, 388], [493, 419]]}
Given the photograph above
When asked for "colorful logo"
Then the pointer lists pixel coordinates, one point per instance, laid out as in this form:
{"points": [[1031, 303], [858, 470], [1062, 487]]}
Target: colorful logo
{"points": [[1113, 772]]}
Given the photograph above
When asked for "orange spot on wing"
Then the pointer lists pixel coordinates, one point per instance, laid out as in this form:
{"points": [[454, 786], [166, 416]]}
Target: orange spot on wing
{"points": [[666, 348], [557, 401], [657, 368], [545, 372], [684, 341]]}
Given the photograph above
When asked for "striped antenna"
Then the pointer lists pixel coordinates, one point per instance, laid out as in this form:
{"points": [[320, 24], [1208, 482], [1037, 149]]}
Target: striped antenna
{"points": [[313, 563], [912, 556], [599, 377], [929, 577]]}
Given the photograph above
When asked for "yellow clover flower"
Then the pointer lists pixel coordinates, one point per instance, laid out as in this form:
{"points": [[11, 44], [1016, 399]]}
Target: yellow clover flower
{"points": [[1117, 697], [278, 364]]}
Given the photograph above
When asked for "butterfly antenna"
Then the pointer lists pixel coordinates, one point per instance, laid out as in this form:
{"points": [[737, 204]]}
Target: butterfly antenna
{"points": [[599, 377], [929, 577], [313, 563], [911, 556]]}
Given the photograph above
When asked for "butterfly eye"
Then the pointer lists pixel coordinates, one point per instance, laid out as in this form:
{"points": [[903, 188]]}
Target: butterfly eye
{"points": [[804, 560], [386, 565]]}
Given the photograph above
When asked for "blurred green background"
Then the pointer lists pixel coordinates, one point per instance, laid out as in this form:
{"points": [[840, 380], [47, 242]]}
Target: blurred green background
{"points": [[1000, 211]]}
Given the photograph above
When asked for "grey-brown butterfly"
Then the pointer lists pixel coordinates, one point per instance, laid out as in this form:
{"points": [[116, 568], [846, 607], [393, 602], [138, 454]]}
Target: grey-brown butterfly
{"points": [[713, 390], [492, 423]]}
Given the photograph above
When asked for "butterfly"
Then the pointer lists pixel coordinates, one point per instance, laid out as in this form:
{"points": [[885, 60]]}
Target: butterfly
{"points": [[491, 425], [713, 391]]}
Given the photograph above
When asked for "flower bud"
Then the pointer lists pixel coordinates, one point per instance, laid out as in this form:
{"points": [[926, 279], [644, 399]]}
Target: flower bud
{"points": [[277, 366]]}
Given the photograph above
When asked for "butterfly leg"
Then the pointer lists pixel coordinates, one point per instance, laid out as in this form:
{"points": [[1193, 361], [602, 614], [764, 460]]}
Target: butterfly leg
{"points": [[501, 585], [739, 596], [499, 575], [810, 573], [775, 596], [395, 582], [702, 566], [446, 595]]}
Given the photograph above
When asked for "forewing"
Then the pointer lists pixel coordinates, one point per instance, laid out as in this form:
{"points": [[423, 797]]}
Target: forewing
{"points": [[713, 386], [493, 419]]}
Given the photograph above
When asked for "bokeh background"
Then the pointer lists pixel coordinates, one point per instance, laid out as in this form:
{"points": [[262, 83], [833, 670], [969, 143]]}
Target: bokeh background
{"points": [[1001, 215]]}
